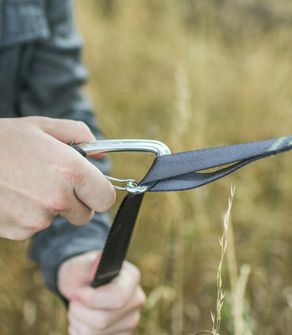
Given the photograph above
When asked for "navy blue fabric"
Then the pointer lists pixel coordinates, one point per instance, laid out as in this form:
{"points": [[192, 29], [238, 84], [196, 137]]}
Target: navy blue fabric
{"points": [[185, 170]]}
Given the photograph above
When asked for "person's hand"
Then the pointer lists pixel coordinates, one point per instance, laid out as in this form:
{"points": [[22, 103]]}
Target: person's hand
{"points": [[112, 309], [41, 176]]}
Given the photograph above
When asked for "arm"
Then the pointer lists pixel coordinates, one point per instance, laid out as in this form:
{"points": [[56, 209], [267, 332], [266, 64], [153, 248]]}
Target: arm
{"points": [[51, 86], [62, 250]]}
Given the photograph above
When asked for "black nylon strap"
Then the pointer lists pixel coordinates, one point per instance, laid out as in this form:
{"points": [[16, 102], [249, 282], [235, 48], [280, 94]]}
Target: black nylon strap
{"points": [[174, 172], [118, 240]]}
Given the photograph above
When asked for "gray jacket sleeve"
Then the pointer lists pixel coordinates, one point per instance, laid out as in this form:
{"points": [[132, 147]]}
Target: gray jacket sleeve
{"points": [[51, 87]]}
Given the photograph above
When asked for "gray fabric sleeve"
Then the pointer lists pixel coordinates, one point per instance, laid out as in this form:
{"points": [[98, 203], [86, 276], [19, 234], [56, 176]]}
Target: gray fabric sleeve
{"points": [[52, 87]]}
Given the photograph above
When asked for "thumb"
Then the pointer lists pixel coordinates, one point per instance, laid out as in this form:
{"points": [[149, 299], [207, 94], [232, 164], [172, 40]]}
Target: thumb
{"points": [[75, 273], [66, 131]]}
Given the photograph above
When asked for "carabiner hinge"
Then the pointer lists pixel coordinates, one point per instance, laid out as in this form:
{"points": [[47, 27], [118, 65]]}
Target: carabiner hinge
{"points": [[130, 185]]}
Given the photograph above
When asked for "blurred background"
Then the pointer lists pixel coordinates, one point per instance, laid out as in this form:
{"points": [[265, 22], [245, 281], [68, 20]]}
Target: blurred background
{"points": [[192, 73]]}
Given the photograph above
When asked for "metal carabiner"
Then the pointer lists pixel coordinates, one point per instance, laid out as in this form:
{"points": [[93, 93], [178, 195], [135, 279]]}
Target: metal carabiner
{"points": [[125, 145]]}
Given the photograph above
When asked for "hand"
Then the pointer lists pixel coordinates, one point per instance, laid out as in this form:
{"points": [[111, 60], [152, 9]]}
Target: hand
{"points": [[112, 309], [41, 176]]}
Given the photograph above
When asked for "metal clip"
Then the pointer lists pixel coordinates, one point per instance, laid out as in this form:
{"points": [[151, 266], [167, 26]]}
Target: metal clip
{"points": [[125, 145]]}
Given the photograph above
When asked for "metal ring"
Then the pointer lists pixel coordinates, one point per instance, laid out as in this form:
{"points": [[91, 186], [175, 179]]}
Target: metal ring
{"points": [[125, 145]]}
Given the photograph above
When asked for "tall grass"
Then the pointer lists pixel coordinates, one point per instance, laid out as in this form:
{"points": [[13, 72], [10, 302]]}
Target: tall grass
{"points": [[193, 74]]}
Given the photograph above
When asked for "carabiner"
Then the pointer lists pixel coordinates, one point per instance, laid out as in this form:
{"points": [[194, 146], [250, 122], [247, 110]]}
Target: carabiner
{"points": [[124, 145]]}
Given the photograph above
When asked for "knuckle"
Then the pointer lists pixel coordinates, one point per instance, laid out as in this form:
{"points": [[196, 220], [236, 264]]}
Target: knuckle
{"points": [[72, 172], [59, 203]]}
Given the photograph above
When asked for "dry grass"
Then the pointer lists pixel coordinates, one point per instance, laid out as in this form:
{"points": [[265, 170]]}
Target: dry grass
{"points": [[223, 241], [216, 316], [193, 74]]}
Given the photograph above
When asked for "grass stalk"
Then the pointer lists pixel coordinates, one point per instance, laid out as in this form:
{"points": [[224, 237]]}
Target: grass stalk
{"points": [[223, 241]]}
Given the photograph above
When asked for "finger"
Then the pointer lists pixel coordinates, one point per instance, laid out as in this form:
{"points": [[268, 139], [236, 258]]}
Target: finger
{"points": [[66, 131], [78, 213], [113, 295], [103, 322], [75, 272], [93, 189], [105, 318]]}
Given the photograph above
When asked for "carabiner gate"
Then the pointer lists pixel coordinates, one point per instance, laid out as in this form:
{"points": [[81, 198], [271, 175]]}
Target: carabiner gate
{"points": [[125, 145]]}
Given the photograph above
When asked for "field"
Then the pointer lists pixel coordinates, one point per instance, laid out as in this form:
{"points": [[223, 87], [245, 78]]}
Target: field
{"points": [[193, 74]]}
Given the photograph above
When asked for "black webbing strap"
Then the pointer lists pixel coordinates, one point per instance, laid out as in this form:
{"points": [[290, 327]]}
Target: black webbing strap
{"points": [[174, 172], [118, 240]]}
